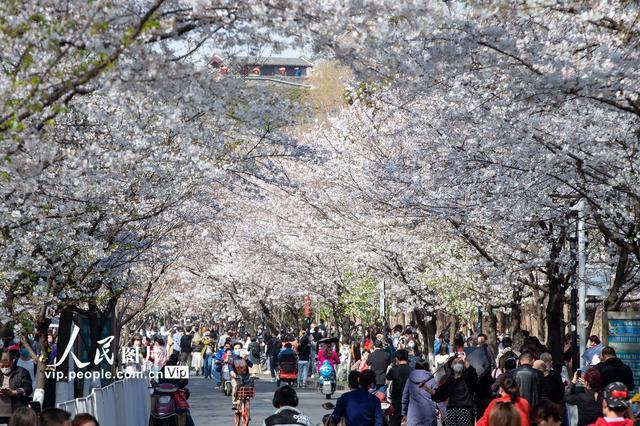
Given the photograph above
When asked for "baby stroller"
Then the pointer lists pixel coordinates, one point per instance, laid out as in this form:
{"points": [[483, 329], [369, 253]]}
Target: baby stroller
{"points": [[287, 372]]}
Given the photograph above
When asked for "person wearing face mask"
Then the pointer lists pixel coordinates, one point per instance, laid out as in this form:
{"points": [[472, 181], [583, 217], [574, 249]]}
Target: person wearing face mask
{"points": [[458, 389], [240, 372], [25, 361], [15, 385], [412, 348]]}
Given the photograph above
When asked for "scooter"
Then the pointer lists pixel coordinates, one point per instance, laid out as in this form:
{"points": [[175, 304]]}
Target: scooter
{"points": [[226, 379], [287, 373], [327, 379], [326, 418], [163, 406]]}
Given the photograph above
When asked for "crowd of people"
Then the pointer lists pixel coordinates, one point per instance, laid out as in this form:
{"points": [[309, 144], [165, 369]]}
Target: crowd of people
{"points": [[18, 367], [466, 382], [470, 383]]}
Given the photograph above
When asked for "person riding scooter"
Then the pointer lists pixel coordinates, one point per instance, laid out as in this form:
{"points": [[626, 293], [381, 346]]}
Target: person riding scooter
{"points": [[240, 371], [218, 360], [182, 393], [287, 365]]}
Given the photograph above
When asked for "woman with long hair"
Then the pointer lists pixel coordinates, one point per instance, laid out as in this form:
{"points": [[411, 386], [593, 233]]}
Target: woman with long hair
{"points": [[458, 390], [586, 405], [504, 413], [509, 392]]}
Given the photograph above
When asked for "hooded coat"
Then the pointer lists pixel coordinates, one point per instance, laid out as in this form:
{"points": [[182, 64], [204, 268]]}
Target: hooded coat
{"points": [[417, 404]]}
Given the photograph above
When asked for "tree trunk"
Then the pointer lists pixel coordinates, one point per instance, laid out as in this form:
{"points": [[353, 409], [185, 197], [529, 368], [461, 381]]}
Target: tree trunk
{"points": [[491, 331], [539, 309], [266, 314], [42, 328], [501, 322], [620, 278], [454, 327], [555, 319], [592, 308], [515, 317], [427, 328]]}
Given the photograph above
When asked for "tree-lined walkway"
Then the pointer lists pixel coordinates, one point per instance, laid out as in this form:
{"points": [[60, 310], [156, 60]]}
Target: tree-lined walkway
{"points": [[209, 406]]}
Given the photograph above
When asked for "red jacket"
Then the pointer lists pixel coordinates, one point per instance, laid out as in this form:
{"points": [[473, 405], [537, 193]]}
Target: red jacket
{"points": [[522, 405], [623, 422]]}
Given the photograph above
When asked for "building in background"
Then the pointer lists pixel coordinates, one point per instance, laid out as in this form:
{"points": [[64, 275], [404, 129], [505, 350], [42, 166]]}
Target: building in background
{"points": [[266, 67], [274, 66]]}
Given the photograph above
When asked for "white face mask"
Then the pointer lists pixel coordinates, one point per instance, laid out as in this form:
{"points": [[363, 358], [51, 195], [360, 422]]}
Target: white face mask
{"points": [[5, 370]]}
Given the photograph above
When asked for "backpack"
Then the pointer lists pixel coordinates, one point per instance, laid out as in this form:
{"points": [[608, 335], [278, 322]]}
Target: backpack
{"points": [[240, 366]]}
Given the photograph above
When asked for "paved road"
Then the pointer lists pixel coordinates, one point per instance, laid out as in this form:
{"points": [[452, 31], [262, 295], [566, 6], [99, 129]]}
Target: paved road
{"points": [[209, 407]]}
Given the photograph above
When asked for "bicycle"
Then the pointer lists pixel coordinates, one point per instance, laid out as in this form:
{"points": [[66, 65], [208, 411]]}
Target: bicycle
{"points": [[241, 414]]}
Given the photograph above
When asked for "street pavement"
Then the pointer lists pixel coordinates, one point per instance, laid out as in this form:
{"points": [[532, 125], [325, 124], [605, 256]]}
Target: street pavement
{"points": [[209, 406]]}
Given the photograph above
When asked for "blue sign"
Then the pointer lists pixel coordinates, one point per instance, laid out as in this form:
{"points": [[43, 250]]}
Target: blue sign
{"points": [[623, 335]]}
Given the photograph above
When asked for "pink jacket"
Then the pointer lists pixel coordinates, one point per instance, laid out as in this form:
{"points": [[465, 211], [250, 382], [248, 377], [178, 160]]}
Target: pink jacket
{"points": [[333, 359]]}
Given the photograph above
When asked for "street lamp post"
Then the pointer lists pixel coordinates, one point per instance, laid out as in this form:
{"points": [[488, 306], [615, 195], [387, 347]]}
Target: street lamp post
{"points": [[582, 284]]}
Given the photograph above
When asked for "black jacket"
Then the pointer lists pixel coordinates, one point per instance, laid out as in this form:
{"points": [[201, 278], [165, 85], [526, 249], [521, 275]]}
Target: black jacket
{"points": [[529, 381], [185, 343], [287, 416], [553, 387], [20, 380], [459, 392], [273, 347], [589, 409], [304, 352], [614, 370], [398, 376], [379, 360]]}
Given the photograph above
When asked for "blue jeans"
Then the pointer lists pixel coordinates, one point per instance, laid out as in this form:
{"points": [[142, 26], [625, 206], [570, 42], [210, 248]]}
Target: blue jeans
{"points": [[303, 372], [216, 374], [207, 365]]}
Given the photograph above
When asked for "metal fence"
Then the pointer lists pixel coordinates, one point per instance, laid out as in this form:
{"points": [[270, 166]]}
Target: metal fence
{"points": [[125, 402]]}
